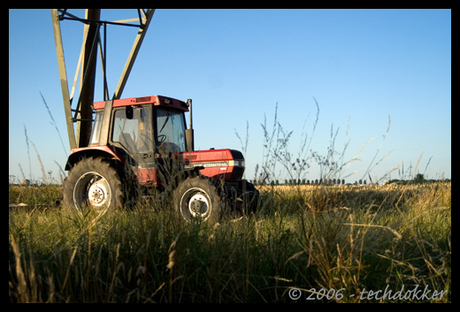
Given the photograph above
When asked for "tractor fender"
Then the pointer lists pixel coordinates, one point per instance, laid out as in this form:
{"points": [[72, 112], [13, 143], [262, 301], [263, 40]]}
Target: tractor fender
{"points": [[188, 173], [92, 151]]}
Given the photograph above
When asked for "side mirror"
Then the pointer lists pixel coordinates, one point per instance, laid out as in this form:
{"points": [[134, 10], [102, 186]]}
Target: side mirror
{"points": [[129, 112]]}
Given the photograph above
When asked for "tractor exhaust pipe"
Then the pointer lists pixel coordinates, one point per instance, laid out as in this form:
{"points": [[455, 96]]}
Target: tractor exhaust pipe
{"points": [[189, 132]]}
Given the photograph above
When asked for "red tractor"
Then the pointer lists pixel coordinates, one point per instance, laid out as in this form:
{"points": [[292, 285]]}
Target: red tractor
{"points": [[140, 144]]}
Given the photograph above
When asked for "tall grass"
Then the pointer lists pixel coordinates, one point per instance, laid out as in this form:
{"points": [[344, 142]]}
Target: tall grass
{"points": [[351, 237], [317, 239], [297, 165]]}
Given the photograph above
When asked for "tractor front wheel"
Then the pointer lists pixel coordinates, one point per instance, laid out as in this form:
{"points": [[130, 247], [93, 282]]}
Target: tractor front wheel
{"points": [[197, 198]]}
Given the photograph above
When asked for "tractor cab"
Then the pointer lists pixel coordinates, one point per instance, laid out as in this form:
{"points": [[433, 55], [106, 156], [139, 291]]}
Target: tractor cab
{"points": [[143, 130], [139, 122]]}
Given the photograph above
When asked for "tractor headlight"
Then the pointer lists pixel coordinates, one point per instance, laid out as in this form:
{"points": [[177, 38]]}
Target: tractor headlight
{"points": [[236, 163]]}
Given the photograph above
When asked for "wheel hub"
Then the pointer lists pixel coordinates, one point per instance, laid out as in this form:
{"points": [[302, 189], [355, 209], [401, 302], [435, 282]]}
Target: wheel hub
{"points": [[92, 189], [97, 194], [198, 205]]}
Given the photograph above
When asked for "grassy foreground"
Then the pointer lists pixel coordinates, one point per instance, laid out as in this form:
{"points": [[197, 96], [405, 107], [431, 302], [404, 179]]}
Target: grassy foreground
{"points": [[334, 244]]}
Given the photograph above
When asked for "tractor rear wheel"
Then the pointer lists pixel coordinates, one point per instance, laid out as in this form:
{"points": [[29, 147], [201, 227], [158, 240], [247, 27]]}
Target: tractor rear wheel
{"points": [[197, 198], [93, 183]]}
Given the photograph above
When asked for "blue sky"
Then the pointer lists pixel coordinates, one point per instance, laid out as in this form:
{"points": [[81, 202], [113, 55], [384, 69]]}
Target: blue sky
{"points": [[361, 66]]}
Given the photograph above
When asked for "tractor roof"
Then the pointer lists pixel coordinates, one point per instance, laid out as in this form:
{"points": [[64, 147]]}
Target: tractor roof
{"points": [[157, 100]]}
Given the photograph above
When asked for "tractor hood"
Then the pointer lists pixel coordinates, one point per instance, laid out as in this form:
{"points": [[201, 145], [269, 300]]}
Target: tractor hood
{"points": [[226, 164]]}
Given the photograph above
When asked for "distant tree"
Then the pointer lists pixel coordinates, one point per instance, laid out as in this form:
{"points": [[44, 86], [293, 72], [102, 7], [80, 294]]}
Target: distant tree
{"points": [[419, 178], [360, 181], [316, 181], [343, 181]]}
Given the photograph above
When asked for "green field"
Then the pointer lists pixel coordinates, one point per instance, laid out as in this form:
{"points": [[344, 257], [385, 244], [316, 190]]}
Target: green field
{"points": [[334, 244]]}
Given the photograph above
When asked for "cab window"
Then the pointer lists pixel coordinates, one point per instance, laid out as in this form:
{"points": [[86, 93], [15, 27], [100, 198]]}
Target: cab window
{"points": [[134, 133], [170, 131]]}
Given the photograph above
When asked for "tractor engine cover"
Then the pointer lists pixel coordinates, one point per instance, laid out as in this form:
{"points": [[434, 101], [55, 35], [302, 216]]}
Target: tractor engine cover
{"points": [[219, 164]]}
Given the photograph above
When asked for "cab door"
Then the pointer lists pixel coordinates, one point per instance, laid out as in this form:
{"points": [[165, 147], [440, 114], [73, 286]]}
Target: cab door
{"points": [[133, 132]]}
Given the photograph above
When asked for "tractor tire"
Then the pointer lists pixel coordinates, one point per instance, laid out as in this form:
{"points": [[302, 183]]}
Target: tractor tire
{"points": [[93, 184], [197, 199], [252, 198]]}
